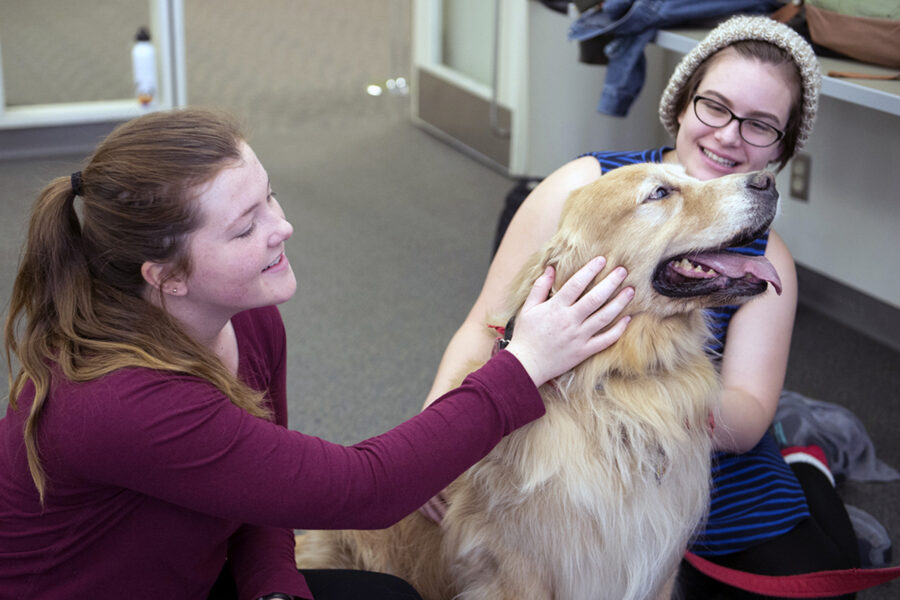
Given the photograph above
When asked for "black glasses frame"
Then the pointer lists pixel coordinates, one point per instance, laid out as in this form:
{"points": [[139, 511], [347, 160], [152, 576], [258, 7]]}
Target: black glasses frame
{"points": [[741, 120]]}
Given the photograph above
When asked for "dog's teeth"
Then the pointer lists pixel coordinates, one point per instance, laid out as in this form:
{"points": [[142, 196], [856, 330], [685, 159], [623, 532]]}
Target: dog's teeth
{"points": [[685, 264]]}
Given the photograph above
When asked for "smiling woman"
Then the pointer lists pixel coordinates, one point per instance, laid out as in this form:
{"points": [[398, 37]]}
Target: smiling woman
{"points": [[743, 100], [713, 148], [237, 253], [146, 451]]}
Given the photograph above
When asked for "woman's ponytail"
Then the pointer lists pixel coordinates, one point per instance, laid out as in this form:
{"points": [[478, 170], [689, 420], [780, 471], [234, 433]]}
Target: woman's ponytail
{"points": [[52, 281]]}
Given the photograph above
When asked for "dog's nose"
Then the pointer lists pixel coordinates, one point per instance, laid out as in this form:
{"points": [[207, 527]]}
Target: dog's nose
{"points": [[762, 181]]}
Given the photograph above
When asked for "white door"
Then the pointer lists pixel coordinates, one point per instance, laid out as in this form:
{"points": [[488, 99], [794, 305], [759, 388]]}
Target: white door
{"points": [[464, 80]]}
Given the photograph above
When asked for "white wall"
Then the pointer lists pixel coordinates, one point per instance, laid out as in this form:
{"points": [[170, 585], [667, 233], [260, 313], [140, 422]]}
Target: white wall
{"points": [[559, 109], [850, 228]]}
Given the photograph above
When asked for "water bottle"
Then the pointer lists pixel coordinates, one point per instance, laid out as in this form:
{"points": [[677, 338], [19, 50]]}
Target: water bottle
{"points": [[143, 62]]}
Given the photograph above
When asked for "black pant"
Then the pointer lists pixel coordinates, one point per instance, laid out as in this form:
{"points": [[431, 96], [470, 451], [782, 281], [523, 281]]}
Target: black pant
{"points": [[825, 541], [334, 584]]}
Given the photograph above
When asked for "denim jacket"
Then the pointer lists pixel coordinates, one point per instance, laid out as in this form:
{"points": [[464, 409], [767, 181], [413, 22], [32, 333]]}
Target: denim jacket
{"points": [[634, 23]]}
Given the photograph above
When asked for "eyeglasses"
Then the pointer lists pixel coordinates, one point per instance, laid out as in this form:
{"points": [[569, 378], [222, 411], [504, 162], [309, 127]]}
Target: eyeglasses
{"points": [[753, 131]]}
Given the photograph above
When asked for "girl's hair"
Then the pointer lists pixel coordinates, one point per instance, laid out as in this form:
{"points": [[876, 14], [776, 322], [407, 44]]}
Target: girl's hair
{"points": [[79, 303], [766, 53]]}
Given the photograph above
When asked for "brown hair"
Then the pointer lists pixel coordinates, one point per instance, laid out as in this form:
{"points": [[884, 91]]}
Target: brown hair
{"points": [[79, 299], [766, 53]]}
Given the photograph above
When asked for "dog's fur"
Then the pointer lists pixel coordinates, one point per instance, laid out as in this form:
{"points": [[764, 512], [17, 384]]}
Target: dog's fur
{"points": [[600, 497]]}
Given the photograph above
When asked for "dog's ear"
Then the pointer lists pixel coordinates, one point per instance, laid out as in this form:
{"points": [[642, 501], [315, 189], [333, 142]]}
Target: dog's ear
{"points": [[557, 253], [523, 282]]}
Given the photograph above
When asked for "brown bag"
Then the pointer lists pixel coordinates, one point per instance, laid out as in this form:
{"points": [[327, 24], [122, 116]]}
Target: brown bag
{"points": [[864, 30]]}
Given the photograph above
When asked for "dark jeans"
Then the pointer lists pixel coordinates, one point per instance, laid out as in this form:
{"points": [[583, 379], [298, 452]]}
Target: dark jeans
{"points": [[334, 584], [825, 541]]}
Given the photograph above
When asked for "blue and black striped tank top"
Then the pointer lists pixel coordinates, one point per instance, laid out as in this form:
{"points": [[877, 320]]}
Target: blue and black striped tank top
{"points": [[755, 496]]}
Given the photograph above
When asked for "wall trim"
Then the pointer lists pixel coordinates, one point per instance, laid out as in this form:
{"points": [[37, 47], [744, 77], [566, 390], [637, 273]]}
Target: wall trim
{"points": [[57, 140], [861, 312]]}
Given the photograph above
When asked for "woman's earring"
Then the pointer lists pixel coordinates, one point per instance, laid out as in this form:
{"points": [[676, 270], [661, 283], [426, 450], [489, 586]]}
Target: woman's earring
{"points": [[174, 291]]}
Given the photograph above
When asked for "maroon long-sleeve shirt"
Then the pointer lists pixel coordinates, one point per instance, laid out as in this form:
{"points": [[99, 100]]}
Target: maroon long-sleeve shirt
{"points": [[154, 478]]}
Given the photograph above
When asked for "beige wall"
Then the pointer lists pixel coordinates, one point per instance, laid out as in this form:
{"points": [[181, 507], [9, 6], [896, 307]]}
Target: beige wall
{"points": [[850, 228]]}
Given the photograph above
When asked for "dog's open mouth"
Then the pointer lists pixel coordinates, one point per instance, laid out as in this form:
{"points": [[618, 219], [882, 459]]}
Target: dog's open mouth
{"points": [[716, 271], [711, 272]]}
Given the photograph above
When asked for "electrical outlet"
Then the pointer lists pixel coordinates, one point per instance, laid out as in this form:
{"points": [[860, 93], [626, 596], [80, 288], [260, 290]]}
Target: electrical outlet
{"points": [[800, 166]]}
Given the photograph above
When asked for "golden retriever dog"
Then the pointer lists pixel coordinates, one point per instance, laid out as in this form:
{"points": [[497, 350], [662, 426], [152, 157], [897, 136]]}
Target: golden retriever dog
{"points": [[600, 497]]}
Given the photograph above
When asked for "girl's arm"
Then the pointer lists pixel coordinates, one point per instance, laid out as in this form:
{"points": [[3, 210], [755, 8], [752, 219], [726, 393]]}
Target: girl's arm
{"points": [[755, 359]]}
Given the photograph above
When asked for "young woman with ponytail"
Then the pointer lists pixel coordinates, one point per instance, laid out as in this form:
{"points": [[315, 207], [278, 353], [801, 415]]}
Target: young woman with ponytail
{"points": [[145, 452]]}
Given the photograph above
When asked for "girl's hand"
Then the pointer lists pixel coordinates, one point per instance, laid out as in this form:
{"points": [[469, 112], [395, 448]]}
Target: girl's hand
{"points": [[553, 336]]}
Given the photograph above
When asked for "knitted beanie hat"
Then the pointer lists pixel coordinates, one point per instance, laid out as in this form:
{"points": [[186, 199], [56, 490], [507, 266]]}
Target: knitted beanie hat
{"points": [[741, 28]]}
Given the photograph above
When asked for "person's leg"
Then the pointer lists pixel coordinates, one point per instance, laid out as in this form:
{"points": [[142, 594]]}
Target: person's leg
{"points": [[691, 584], [825, 541], [333, 584], [224, 587], [343, 584], [804, 549], [829, 512]]}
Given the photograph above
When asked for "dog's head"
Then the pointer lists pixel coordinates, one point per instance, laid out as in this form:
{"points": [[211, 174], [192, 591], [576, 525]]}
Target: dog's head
{"points": [[671, 232]]}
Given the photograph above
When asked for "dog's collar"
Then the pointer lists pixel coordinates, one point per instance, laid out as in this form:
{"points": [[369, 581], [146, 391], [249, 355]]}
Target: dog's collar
{"points": [[505, 333]]}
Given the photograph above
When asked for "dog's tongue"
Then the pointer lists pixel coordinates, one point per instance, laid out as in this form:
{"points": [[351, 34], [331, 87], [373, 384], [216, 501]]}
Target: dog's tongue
{"points": [[735, 266]]}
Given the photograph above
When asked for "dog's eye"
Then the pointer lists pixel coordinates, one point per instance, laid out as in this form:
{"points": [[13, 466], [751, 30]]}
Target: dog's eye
{"points": [[658, 194]]}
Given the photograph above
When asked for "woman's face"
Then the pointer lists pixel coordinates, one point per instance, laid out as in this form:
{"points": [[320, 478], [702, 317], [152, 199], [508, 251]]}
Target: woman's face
{"points": [[237, 254], [749, 88]]}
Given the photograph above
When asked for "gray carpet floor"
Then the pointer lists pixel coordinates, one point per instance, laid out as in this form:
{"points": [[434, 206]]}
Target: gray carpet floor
{"points": [[393, 229]]}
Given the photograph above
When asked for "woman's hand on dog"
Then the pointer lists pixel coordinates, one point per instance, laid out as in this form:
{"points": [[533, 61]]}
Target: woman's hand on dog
{"points": [[553, 336]]}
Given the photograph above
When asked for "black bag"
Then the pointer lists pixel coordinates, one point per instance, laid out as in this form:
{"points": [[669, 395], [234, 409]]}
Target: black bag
{"points": [[513, 201]]}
